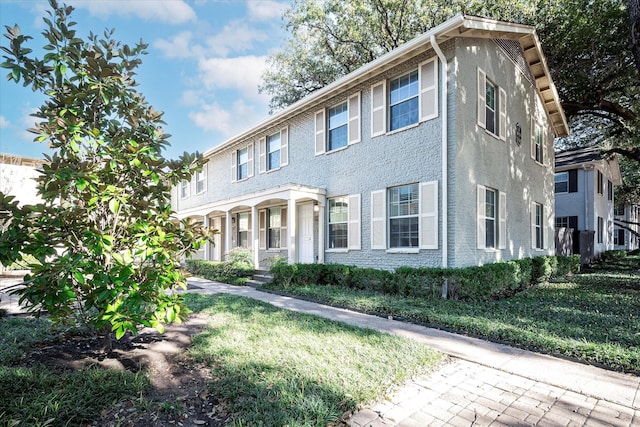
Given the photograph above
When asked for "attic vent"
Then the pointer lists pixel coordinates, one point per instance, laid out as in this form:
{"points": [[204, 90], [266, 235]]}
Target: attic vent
{"points": [[514, 51]]}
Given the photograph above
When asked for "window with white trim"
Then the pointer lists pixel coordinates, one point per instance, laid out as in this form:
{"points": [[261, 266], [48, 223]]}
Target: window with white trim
{"points": [[273, 151], [411, 98], [408, 213], [561, 182], [600, 182], [242, 219], [242, 163], [201, 180], [184, 189], [272, 228], [618, 236], [537, 216], [618, 210], [341, 128], [491, 220], [492, 106], [537, 143], [600, 229], [338, 223]]}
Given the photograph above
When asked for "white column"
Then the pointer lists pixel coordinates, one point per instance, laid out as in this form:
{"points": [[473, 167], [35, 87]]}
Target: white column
{"points": [[321, 229], [227, 232], [255, 237], [207, 245], [292, 227]]}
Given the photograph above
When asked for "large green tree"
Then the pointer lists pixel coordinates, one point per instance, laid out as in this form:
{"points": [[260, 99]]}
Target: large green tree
{"points": [[105, 239]]}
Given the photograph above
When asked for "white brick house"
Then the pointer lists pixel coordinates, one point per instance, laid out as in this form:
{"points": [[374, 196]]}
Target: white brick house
{"points": [[439, 153]]}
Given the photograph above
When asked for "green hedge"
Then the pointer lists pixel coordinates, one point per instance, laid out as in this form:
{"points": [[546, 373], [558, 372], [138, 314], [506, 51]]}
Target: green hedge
{"points": [[226, 272], [491, 281]]}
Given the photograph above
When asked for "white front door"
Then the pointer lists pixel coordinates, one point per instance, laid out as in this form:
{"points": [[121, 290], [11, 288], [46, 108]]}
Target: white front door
{"points": [[305, 233]]}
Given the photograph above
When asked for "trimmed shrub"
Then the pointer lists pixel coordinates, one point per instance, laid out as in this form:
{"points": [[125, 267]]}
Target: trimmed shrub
{"points": [[543, 268], [227, 272], [567, 265], [613, 255]]}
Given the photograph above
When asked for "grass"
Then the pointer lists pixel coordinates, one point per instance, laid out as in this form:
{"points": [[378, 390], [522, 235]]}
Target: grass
{"points": [[275, 367], [593, 317]]}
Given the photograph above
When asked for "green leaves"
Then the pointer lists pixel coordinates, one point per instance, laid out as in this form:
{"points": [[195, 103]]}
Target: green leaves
{"points": [[107, 247]]}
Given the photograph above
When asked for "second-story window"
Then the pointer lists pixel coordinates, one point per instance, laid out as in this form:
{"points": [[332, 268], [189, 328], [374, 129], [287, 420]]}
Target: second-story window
{"points": [[184, 189], [243, 163], [403, 101], [537, 143], [273, 151], [492, 106], [201, 180], [338, 127], [600, 182], [562, 182]]}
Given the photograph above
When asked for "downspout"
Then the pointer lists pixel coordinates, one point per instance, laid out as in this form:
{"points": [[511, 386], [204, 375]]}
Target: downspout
{"points": [[445, 159]]}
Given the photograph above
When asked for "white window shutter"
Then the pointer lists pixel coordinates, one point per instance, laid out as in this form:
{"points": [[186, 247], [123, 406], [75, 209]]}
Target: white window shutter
{"points": [[353, 233], [429, 215], [249, 232], [502, 107], [284, 237], [482, 90], [250, 160], [353, 125], [481, 238], [319, 127], [428, 77], [533, 225], [502, 221], [379, 219], [379, 108], [262, 229], [234, 165], [284, 146], [262, 155]]}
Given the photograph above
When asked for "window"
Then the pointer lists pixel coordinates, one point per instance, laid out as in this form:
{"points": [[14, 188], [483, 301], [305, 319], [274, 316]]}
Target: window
{"points": [[274, 222], [600, 182], [562, 222], [411, 98], [242, 163], [338, 223], [403, 101], [537, 226], [618, 210], [562, 182], [274, 151], [600, 229], [609, 190], [243, 229], [618, 237], [403, 216], [408, 213], [184, 189], [492, 101], [491, 221], [337, 127], [537, 143], [201, 180]]}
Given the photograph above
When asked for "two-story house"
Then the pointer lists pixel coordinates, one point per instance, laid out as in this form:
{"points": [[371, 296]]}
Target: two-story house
{"points": [[439, 153], [584, 189]]}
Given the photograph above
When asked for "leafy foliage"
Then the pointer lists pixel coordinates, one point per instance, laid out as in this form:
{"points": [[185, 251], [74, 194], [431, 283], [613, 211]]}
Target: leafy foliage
{"points": [[104, 238]]}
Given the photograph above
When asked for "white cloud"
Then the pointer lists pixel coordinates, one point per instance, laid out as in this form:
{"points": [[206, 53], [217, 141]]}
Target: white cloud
{"points": [[170, 12], [242, 73], [265, 10], [213, 117], [236, 36], [4, 122], [180, 46]]}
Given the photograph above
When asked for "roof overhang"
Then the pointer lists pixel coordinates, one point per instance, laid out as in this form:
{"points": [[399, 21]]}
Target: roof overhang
{"points": [[458, 26]]}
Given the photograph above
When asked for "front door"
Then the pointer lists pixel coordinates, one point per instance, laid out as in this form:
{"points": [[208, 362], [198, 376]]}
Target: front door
{"points": [[305, 233]]}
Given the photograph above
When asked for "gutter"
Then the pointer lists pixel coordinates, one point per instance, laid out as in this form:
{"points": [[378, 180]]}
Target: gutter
{"points": [[445, 151]]}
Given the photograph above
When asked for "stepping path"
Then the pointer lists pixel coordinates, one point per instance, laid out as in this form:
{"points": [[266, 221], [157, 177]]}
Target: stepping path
{"points": [[486, 384]]}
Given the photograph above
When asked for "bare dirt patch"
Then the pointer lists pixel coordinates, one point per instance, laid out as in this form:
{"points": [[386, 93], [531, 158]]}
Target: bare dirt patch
{"points": [[179, 392]]}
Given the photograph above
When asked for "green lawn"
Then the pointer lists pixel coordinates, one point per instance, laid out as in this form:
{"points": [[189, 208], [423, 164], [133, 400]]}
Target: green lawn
{"points": [[594, 317], [275, 367]]}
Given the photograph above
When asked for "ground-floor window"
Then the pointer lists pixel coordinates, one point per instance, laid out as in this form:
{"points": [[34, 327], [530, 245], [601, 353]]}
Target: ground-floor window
{"points": [[404, 204], [538, 229], [274, 222], [243, 229], [338, 223]]}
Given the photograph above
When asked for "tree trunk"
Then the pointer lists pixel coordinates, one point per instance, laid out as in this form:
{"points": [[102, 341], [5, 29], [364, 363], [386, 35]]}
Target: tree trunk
{"points": [[634, 20]]}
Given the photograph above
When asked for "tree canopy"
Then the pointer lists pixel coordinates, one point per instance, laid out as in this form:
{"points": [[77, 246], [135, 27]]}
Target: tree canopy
{"points": [[106, 243]]}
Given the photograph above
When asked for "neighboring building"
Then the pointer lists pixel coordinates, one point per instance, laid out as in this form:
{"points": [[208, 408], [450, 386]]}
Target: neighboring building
{"points": [[584, 188], [439, 153], [17, 177], [626, 226]]}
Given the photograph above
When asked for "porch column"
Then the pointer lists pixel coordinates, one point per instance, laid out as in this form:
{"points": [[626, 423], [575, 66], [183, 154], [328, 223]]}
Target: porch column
{"points": [[207, 244], [227, 233], [255, 237], [292, 226], [321, 228]]}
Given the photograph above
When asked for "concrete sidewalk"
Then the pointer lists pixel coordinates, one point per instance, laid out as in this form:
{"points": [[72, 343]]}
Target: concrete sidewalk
{"points": [[486, 384]]}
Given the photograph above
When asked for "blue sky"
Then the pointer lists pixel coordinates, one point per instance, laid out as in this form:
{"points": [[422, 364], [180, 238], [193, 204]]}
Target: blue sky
{"points": [[203, 67]]}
